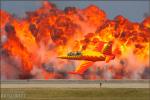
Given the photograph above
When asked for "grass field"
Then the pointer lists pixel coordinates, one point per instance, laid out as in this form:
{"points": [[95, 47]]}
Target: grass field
{"points": [[75, 94]]}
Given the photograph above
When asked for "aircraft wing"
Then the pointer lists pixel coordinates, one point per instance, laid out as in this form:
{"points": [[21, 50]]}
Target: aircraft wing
{"points": [[82, 68]]}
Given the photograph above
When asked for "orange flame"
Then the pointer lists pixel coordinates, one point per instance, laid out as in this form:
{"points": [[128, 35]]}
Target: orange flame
{"points": [[48, 32]]}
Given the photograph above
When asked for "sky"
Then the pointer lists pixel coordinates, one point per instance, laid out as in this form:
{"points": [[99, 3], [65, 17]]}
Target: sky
{"points": [[133, 10]]}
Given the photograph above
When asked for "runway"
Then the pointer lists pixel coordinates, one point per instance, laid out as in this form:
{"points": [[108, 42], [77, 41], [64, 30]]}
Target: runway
{"points": [[63, 83]]}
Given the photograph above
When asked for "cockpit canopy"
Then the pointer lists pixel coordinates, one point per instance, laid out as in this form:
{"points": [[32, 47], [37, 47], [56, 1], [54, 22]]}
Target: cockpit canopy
{"points": [[77, 53]]}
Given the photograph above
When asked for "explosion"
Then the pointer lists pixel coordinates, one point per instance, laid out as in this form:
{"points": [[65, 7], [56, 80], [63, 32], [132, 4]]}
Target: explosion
{"points": [[30, 46]]}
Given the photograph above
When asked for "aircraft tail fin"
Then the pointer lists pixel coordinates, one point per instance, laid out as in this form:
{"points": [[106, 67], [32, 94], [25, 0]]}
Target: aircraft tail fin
{"points": [[107, 49]]}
